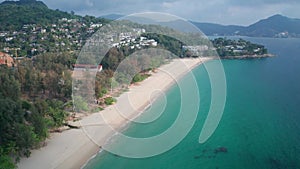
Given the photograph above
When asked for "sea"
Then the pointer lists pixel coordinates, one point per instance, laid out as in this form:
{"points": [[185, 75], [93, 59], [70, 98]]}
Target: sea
{"points": [[260, 126]]}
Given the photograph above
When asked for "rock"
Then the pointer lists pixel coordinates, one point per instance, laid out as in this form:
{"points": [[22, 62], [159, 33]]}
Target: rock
{"points": [[221, 150]]}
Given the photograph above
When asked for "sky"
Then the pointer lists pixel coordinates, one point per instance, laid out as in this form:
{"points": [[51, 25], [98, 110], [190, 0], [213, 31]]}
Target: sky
{"points": [[227, 12]]}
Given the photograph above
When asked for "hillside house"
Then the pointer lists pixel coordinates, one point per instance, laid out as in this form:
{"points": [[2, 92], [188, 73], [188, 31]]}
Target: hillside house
{"points": [[6, 59]]}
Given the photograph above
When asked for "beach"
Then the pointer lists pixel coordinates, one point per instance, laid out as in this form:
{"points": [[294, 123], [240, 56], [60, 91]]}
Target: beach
{"points": [[73, 148]]}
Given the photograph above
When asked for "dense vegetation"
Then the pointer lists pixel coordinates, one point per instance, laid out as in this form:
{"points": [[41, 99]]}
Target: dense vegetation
{"points": [[227, 47], [15, 14], [33, 97], [166, 42]]}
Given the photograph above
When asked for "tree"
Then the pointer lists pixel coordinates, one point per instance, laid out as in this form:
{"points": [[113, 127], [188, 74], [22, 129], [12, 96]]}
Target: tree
{"points": [[55, 113], [6, 161], [9, 86], [39, 124], [25, 138], [15, 133]]}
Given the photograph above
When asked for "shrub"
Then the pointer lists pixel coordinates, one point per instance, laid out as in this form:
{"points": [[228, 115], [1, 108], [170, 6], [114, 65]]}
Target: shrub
{"points": [[109, 101], [80, 104]]}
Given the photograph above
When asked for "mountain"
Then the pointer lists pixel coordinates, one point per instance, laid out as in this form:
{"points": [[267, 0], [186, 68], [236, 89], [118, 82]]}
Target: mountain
{"points": [[15, 14], [32, 3], [112, 16], [217, 29], [274, 26]]}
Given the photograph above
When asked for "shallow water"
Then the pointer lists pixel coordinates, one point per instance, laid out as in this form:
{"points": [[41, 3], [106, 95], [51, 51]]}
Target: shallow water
{"points": [[260, 127]]}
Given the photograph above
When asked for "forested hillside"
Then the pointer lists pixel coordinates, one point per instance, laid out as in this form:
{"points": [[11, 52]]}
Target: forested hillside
{"points": [[33, 101], [15, 14]]}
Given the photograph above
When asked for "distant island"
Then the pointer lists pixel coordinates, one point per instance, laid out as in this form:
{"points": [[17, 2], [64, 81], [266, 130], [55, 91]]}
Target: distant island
{"points": [[239, 49]]}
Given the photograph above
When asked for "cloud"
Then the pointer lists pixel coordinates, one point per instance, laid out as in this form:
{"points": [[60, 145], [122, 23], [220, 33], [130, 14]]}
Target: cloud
{"points": [[261, 2], [89, 3]]}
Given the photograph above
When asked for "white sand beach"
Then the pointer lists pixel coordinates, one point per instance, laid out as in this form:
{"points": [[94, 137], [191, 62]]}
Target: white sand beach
{"points": [[71, 149]]}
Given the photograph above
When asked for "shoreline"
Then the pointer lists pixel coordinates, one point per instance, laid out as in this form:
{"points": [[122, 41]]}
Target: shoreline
{"points": [[248, 56], [75, 148]]}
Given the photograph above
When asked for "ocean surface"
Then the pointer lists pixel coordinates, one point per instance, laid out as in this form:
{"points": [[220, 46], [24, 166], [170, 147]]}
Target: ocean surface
{"points": [[260, 127]]}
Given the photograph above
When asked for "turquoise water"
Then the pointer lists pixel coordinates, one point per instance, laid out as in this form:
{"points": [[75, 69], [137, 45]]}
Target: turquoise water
{"points": [[260, 128]]}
